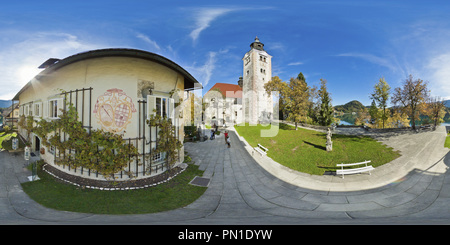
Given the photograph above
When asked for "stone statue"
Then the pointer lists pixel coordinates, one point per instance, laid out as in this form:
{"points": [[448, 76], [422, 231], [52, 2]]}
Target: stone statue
{"points": [[329, 142]]}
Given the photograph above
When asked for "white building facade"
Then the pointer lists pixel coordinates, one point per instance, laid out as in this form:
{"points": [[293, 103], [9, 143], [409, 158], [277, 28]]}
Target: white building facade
{"points": [[224, 105], [115, 90], [257, 105], [246, 102]]}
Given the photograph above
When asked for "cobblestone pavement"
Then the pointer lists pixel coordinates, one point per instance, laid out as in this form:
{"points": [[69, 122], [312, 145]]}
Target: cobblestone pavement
{"points": [[247, 188]]}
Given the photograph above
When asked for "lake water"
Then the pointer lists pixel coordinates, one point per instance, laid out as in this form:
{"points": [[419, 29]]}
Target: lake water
{"points": [[347, 123], [344, 123]]}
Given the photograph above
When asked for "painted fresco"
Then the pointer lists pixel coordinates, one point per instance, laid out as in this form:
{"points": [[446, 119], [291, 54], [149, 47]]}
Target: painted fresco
{"points": [[114, 110]]}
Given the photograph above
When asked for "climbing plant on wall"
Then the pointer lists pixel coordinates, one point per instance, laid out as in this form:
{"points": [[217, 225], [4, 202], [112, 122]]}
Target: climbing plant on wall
{"points": [[98, 150], [26, 122], [166, 141]]}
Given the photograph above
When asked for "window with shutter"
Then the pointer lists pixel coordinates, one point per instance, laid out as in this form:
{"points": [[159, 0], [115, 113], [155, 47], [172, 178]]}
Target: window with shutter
{"points": [[37, 109], [151, 106], [164, 107], [45, 109], [26, 110], [54, 108], [160, 105], [171, 110]]}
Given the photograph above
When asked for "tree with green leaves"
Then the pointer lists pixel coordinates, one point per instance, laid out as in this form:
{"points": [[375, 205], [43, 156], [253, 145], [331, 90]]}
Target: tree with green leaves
{"points": [[373, 113], [301, 77], [381, 96], [325, 117]]}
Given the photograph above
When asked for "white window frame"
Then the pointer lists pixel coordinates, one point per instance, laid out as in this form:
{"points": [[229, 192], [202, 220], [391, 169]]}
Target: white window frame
{"points": [[169, 107], [37, 112], [26, 110], [170, 113], [30, 110], [51, 149], [52, 114]]}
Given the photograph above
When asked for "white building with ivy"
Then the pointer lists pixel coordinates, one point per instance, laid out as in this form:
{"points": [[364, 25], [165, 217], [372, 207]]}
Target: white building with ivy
{"points": [[114, 90]]}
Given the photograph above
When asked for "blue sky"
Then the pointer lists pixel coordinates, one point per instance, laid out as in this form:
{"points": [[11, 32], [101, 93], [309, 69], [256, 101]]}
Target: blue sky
{"points": [[351, 44]]}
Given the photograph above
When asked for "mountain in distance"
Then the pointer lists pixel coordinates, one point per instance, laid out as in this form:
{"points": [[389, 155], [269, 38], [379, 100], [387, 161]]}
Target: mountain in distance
{"points": [[356, 106], [352, 106], [5, 103], [447, 103]]}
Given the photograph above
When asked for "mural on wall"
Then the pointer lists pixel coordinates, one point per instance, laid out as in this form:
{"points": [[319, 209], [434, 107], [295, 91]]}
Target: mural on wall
{"points": [[114, 110]]}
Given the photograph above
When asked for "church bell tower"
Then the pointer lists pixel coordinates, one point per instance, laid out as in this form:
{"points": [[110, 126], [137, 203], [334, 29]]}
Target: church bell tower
{"points": [[257, 105]]}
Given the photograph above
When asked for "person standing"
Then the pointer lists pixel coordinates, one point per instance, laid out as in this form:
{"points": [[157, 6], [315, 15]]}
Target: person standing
{"points": [[228, 142]]}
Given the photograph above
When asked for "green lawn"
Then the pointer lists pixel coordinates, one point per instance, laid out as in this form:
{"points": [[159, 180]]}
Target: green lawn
{"points": [[5, 137], [447, 141], [173, 194], [304, 150], [6, 141]]}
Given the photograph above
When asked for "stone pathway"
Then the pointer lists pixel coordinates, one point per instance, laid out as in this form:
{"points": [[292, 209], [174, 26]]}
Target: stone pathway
{"points": [[410, 186], [246, 189]]}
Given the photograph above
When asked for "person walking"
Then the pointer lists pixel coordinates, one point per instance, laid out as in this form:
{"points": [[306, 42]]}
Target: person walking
{"points": [[213, 134], [226, 136], [228, 141]]}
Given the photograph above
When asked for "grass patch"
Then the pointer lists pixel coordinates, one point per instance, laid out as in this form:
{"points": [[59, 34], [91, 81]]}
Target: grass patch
{"points": [[6, 141], [447, 141], [304, 150], [173, 194]]}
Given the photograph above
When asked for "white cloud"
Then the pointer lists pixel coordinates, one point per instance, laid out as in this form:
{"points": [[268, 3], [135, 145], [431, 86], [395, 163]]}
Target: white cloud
{"points": [[148, 40], [440, 75], [204, 72], [20, 57], [375, 60], [205, 16], [295, 63], [424, 46], [203, 19]]}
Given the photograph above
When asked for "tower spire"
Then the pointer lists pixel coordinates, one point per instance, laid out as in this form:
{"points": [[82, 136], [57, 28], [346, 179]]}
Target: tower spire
{"points": [[257, 44]]}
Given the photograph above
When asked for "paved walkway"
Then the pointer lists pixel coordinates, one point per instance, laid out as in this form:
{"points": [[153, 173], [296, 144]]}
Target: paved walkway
{"points": [[413, 189]]}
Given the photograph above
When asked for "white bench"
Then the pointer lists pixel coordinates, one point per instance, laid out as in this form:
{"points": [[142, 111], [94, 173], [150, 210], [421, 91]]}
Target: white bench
{"points": [[343, 171], [261, 149]]}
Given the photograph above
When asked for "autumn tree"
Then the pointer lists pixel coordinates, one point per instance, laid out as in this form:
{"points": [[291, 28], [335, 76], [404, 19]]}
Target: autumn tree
{"points": [[436, 110], [294, 97], [397, 120], [363, 117], [411, 97], [381, 96]]}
